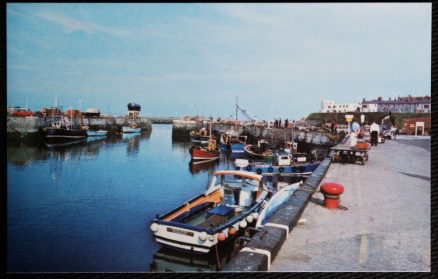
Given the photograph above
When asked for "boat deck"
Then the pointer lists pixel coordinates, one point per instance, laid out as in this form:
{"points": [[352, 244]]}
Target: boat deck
{"points": [[213, 216]]}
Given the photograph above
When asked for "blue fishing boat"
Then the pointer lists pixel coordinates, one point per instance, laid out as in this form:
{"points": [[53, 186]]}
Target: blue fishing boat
{"points": [[232, 141]]}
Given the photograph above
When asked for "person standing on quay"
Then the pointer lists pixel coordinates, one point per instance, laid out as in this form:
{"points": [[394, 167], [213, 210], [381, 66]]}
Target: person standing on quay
{"points": [[374, 130]]}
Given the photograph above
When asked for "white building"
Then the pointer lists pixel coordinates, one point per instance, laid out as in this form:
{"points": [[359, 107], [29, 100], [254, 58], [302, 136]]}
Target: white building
{"points": [[331, 106], [419, 104]]}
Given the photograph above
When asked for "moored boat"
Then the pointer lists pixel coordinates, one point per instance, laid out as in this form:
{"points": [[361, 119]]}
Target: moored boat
{"points": [[232, 141], [98, 133], [267, 169], [65, 131], [199, 136], [260, 151], [131, 129], [208, 153], [232, 202]]}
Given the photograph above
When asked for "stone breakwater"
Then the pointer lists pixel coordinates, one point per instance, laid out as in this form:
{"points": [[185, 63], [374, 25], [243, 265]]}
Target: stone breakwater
{"points": [[275, 136], [31, 125]]}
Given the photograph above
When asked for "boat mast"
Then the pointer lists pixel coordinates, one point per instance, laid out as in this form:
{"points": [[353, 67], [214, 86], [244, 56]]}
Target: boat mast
{"points": [[237, 100], [210, 130]]}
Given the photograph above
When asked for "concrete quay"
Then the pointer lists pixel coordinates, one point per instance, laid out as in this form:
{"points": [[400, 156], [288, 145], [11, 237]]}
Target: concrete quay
{"points": [[386, 226]]}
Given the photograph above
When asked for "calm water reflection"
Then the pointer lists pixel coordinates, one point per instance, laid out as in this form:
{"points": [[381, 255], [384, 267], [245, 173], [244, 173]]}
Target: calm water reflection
{"points": [[87, 207]]}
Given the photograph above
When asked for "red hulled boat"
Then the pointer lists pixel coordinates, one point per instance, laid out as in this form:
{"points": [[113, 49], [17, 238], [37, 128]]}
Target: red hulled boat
{"points": [[208, 153]]}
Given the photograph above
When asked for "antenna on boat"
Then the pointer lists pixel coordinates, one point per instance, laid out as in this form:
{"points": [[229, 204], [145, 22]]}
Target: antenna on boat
{"points": [[237, 101], [71, 118]]}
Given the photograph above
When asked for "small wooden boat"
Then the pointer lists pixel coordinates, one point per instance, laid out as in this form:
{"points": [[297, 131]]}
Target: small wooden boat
{"points": [[208, 153], [259, 151], [231, 203], [131, 129], [199, 136]]}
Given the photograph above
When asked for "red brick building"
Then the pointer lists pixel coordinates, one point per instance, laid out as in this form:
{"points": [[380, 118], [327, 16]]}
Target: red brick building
{"points": [[416, 126]]}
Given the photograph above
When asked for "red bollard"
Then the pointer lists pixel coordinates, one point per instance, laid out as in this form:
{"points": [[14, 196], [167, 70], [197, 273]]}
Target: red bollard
{"points": [[331, 192]]}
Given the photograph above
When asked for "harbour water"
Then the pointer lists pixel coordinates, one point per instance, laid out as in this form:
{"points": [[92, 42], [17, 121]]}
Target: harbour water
{"points": [[87, 207]]}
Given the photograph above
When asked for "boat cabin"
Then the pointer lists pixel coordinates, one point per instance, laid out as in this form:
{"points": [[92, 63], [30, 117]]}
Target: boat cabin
{"points": [[239, 190]]}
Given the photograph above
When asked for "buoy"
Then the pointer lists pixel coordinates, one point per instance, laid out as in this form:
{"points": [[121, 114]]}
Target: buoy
{"points": [[232, 231], [221, 237], [249, 218], [331, 192]]}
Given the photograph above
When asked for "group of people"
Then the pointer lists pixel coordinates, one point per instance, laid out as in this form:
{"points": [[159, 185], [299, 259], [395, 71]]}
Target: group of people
{"points": [[374, 130], [278, 124]]}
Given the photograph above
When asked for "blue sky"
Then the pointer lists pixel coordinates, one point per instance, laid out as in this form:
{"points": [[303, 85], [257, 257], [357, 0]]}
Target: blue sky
{"points": [[281, 60]]}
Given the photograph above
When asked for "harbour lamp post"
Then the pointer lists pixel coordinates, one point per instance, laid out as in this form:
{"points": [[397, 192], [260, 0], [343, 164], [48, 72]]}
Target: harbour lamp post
{"points": [[349, 118]]}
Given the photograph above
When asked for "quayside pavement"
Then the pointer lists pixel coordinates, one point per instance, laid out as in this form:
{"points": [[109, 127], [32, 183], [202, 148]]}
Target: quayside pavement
{"points": [[387, 224]]}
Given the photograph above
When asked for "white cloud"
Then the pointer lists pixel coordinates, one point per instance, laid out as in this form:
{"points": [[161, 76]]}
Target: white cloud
{"points": [[249, 13], [74, 25]]}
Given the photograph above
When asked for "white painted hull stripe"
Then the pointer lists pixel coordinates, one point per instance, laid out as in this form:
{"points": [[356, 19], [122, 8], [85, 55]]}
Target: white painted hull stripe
{"points": [[186, 247]]}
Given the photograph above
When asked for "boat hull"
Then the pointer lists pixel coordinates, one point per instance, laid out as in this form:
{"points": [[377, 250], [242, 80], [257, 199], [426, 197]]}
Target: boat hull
{"points": [[99, 133], [301, 169], [62, 136], [250, 152], [131, 130], [199, 153], [214, 217]]}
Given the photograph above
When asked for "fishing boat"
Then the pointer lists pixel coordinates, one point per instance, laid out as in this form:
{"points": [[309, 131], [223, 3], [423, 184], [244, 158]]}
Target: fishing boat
{"points": [[131, 129], [260, 151], [199, 136], [65, 129], [231, 203], [209, 153], [283, 194], [232, 141], [267, 169], [98, 133]]}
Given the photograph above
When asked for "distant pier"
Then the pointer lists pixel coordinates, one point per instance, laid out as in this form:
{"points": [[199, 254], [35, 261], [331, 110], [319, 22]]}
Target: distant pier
{"points": [[30, 126]]}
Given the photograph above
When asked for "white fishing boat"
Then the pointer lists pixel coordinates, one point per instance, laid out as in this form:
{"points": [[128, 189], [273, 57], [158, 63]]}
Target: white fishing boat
{"points": [[231, 203]]}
